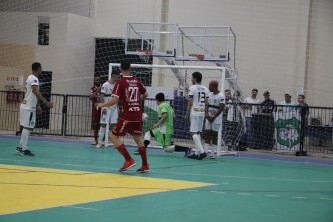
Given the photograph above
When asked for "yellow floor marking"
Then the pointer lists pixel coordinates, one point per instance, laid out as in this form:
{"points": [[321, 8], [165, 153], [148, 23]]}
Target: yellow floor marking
{"points": [[29, 188]]}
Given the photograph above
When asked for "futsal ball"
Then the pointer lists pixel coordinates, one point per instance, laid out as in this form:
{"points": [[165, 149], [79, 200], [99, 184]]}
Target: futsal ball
{"points": [[144, 116]]}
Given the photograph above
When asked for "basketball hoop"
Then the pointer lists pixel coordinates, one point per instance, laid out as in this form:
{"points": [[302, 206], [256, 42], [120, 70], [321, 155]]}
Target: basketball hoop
{"points": [[199, 57], [146, 54]]}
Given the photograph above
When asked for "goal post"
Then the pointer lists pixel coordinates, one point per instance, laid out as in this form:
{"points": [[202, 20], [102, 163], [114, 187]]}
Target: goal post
{"points": [[178, 100]]}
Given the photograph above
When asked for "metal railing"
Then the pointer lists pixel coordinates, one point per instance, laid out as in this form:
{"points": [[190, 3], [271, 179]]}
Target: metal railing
{"points": [[283, 127]]}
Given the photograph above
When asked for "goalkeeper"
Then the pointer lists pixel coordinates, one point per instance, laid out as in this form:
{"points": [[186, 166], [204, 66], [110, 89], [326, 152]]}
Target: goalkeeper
{"points": [[163, 130]]}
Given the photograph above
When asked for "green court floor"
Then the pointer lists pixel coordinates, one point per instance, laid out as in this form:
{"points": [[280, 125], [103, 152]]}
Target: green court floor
{"points": [[71, 180]]}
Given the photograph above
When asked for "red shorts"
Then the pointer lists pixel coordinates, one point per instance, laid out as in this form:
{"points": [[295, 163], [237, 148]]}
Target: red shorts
{"points": [[122, 127]]}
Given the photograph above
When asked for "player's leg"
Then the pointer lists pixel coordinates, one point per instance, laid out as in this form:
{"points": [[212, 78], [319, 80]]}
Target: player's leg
{"points": [[135, 130], [214, 134], [112, 122], [95, 125], [105, 117], [185, 149], [27, 121], [146, 140], [120, 129], [167, 145], [195, 129], [208, 135]]}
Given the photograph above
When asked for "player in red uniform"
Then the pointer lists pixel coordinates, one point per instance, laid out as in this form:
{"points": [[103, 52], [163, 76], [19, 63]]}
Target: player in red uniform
{"points": [[130, 91], [95, 92]]}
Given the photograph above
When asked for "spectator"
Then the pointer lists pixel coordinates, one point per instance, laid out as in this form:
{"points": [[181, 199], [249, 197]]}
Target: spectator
{"points": [[287, 102], [250, 107], [268, 105], [304, 108]]}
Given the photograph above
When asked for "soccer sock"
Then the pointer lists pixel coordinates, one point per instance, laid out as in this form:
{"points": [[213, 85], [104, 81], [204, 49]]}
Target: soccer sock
{"points": [[24, 139], [214, 149], [122, 149], [206, 147], [96, 134], [143, 154], [198, 145], [101, 134]]}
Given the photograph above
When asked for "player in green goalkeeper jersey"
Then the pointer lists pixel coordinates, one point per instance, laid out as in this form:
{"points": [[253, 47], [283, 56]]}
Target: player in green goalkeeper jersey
{"points": [[163, 130]]}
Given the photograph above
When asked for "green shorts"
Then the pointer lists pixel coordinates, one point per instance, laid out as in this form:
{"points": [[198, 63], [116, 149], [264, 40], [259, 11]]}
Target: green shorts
{"points": [[162, 139]]}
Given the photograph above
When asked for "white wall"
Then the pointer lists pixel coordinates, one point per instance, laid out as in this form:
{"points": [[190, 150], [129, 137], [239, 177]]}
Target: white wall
{"points": [[70, 54], [112, 16], [80, 7]]}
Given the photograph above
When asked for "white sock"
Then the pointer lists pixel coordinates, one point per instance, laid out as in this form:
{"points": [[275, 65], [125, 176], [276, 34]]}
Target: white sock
{"points": [[101, 134], [24, 139], [213, 149], [147, 136], [198, 145], [206, 147]]}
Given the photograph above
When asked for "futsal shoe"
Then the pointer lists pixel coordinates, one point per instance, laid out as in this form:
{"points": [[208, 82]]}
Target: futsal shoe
{"points": [[143, 169], [24, 152], [136, 152], [193, 156], [99, 145], [188, 152], [127, 165], [202, 155]]}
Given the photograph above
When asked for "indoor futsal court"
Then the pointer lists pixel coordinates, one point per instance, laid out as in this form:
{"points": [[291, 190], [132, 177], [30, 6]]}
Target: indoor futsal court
{"points": [[68, 180], [231, 102]]}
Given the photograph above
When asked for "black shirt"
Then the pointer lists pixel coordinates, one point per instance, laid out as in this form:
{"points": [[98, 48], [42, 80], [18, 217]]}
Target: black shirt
{"points": [[267, 106]]}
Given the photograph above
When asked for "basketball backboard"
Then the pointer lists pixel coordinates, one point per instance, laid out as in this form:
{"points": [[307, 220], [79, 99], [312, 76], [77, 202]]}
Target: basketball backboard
{"points": [[156, 39], [205, 43]]}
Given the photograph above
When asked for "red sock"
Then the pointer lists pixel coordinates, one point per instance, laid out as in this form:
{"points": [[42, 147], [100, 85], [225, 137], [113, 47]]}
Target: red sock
{"points": [[96, 135], [142, 151], [122, 149]]}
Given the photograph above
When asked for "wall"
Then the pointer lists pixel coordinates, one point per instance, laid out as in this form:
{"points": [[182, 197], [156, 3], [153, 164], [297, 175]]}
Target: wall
{"points": [[80, 7], [320, 74], [271, 38]]}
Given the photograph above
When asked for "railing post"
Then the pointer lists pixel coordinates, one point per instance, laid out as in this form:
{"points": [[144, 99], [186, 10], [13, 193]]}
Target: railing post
{"points": [[64, 116]]}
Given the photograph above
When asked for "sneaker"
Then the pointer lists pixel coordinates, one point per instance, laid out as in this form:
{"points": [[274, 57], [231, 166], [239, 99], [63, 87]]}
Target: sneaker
{"points": [[136, 152], [19, 149], [24, 152], [193, 156], [99, 145], [94, 143], [212, 157], [202, 155], [188, 152], [127, 165], [143, 169]]}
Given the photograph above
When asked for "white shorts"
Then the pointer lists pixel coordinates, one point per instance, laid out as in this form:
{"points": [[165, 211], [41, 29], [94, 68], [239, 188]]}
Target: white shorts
{"points": [[28, 118], [215, 125], [196, 124], [110, 117]]}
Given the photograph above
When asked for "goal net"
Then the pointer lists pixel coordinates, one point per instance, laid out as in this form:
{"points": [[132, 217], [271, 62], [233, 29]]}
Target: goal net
{"points": [[178, 80]]}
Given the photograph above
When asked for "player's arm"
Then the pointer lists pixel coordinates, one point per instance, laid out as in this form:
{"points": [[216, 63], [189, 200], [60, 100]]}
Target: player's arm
{"points": [[161, 120], [219, 111], [189, 106], [114, 99], [37, 93]]}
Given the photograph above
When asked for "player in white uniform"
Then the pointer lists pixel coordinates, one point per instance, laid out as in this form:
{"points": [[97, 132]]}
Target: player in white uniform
{"points": [[109, 115], [29, 107], [214, 108], [196, 111]]}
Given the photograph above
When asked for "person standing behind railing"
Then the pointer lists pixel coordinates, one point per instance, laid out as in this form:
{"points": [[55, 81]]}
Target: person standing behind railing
{"points": [[250, 107], [94, 96]]}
